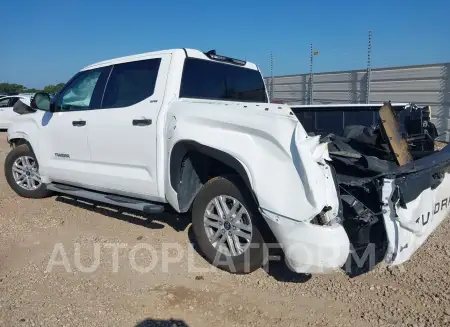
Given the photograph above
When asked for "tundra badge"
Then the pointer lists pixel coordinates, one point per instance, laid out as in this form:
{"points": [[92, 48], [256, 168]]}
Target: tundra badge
{"points": [[62, 155]]}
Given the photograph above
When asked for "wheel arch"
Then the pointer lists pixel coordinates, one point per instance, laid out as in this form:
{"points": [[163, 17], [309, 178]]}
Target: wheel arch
{"points": [[21, 148], [19, 141], [192, 164]]}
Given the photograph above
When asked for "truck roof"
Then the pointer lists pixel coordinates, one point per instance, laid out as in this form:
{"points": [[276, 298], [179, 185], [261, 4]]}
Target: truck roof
{"points": [[192, 53]]}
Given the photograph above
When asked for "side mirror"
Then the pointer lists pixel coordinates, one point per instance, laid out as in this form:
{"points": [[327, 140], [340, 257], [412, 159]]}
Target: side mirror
{"points": [[41, 101]]}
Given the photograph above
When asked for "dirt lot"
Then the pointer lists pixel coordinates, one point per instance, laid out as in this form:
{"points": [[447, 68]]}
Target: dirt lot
{"points": [[34, 293]]}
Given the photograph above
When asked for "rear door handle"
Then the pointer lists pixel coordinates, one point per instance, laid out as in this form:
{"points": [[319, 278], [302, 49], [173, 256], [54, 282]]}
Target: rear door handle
{"points": [[78, 123], [142, 122]]}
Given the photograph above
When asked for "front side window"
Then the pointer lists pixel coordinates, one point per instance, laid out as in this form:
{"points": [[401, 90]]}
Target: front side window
{"points": [[130, 83], [79, 93], [204, 79]]}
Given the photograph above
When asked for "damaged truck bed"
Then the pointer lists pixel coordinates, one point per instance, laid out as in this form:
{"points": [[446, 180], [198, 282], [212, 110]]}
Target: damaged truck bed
{"points": [[394, 185]]}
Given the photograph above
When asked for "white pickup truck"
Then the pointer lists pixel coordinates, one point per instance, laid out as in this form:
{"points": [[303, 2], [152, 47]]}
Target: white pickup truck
{"points": [[196, 131]]}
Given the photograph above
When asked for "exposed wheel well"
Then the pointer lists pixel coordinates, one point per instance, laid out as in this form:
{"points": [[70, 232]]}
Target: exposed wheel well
{"points": [[17, 142], [193, 164]]}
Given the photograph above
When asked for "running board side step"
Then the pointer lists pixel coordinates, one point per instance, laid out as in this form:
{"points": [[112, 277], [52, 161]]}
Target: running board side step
{"points": [[117, 200]]}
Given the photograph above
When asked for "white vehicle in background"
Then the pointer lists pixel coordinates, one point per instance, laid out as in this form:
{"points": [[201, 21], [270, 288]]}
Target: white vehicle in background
{"points": [[6, 108], [195, 131]]}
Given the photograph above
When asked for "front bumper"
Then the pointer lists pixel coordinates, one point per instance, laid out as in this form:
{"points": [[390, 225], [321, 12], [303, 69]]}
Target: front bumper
{"points": [[310, 248]]}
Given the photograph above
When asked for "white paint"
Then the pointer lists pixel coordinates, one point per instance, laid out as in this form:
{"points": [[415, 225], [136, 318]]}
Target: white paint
{"points": [[310, 248], [7, 115], [287, 169], [406, 228]]}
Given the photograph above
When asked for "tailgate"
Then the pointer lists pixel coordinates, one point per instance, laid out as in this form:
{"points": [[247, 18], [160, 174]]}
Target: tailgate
{"points": [[416, 200]]}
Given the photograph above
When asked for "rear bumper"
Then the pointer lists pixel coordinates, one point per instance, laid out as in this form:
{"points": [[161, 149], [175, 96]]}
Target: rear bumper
{"points": [[310, 248]]}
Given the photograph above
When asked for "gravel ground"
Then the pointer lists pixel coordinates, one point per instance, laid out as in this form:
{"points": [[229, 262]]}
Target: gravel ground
{"points": [[188, 292]]}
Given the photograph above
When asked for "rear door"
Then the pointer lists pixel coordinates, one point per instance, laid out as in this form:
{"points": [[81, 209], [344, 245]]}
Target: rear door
{"points": [[416, 204], [122, 133]]}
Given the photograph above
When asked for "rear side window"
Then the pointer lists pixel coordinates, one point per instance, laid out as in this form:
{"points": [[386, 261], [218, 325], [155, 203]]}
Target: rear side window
{"points": [[13, 102], [205, 79], [130, 83]]}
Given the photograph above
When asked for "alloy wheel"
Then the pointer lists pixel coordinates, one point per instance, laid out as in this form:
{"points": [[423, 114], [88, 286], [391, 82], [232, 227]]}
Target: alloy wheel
{"points": [[228, 225]]}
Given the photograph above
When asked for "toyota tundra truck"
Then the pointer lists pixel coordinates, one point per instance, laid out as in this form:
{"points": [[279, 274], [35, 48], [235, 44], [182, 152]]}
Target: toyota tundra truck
{"points": [[195, 131]]}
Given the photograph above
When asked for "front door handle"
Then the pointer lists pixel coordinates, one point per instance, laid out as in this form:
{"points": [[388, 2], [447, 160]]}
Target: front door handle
{"points": [[142, 122], [78, 123]]}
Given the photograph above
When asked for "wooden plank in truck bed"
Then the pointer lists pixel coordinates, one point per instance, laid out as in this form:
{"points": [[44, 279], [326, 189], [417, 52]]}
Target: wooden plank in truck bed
{"points": [[397, 143]]}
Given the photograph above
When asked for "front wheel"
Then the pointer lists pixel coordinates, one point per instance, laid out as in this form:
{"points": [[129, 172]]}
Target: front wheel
{"points": [[225, 223], [22, 173]]}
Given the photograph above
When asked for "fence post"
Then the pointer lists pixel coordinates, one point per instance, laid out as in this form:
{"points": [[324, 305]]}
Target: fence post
{"points": [[369, 69], [271, 77], [311, 82]]}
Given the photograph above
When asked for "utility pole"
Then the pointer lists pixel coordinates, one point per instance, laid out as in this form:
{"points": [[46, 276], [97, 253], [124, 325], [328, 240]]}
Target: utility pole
{"points": [[369, 67], [271, 77], [311, 74]]}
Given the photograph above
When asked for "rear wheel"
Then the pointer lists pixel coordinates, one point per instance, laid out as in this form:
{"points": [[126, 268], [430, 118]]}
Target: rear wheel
{"points": [[225, 223], [22, 173]]}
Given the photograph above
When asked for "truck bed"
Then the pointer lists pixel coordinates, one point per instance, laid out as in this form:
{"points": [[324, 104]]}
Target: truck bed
{"points": [[370, 146]]}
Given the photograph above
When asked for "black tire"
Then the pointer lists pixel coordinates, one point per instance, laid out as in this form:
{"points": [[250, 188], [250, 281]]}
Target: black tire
{"points": [[252, 258], [19, 151]]}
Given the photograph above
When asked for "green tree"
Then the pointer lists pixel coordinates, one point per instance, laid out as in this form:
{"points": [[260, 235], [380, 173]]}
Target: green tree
{"points": [[11, 88], [19, 88], [53, 88], [32, 91]]}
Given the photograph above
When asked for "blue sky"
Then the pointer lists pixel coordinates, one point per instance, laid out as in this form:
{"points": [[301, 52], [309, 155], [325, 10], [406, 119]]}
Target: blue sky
{"points": [[46, 42]]}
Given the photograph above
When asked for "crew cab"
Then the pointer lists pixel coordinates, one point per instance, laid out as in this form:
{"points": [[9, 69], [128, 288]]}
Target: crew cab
{"points": [[196, 131]]}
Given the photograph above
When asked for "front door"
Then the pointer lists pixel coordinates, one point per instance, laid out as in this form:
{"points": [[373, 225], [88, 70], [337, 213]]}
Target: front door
{"points": [[63, 144], [122, 134]]}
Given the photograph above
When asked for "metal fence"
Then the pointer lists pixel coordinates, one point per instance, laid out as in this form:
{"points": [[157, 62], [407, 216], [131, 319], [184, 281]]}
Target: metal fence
{"points": [[423, 85]]}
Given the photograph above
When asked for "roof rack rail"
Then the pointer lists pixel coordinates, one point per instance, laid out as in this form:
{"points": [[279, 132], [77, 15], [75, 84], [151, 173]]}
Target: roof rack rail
{"points": [[212, 54]]}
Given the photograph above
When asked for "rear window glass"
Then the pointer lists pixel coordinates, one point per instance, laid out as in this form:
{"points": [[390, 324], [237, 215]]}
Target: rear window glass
{"points": [[205, 79], [329, 121], [365, 118]]}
